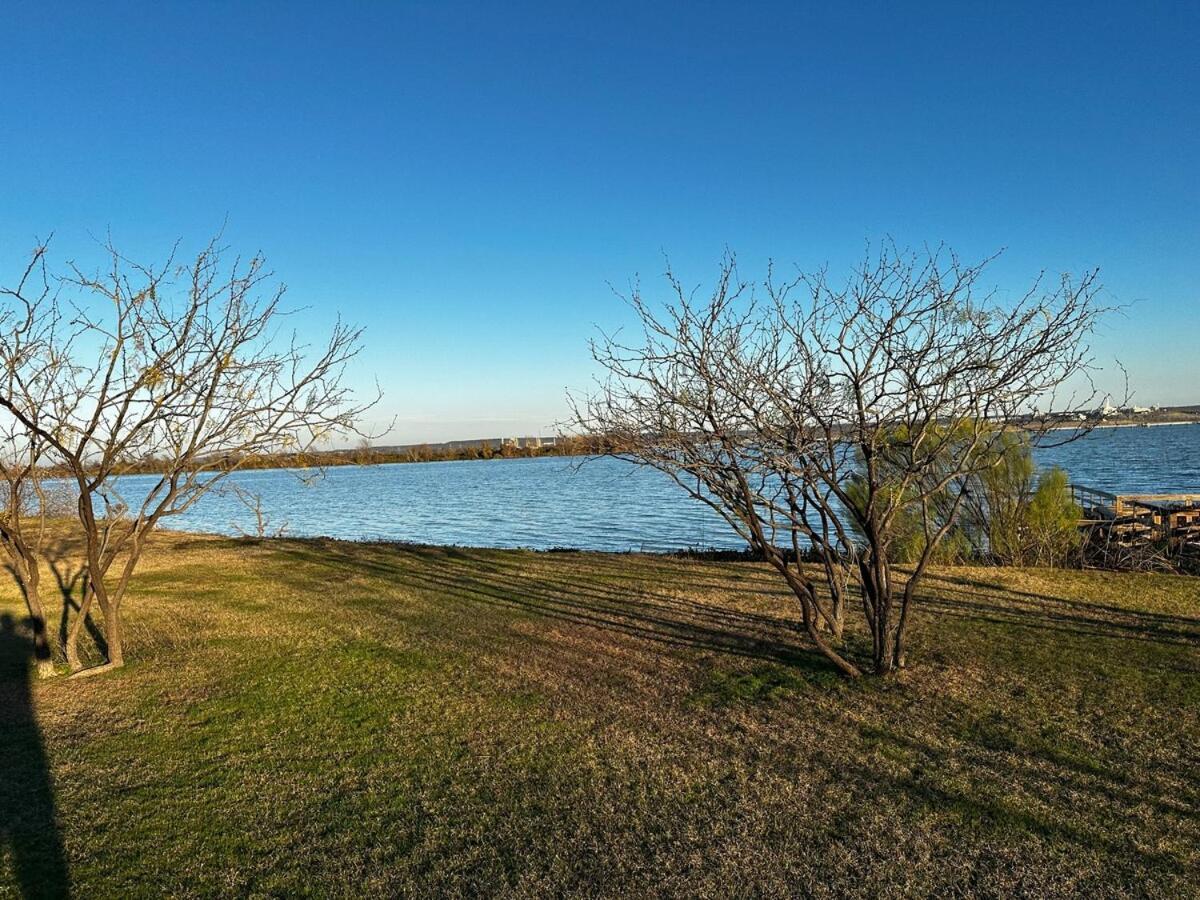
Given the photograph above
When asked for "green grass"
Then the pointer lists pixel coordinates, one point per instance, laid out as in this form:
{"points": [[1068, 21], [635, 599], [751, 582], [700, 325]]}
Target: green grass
{"points": [[313, 717]]}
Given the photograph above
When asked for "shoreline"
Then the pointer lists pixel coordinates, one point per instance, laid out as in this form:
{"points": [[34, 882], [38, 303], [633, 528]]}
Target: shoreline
{"points": [[1070, 427]]}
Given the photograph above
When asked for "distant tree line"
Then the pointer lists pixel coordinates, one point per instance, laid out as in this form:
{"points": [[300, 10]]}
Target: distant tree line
{"points": [[366, 455]]}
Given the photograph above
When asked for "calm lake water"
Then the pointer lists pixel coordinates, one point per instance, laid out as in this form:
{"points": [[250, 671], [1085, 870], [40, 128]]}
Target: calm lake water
{"points": [[598, 504]]}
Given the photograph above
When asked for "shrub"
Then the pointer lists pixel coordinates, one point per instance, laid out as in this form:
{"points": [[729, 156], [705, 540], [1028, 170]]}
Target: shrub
{"points": [[1012, 515]]}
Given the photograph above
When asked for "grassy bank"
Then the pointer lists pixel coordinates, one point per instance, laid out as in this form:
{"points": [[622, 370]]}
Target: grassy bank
{"points": [[337, 718]]}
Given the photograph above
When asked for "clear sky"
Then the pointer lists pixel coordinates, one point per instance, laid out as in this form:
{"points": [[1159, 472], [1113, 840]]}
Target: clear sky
{"points": [[467, 179]]}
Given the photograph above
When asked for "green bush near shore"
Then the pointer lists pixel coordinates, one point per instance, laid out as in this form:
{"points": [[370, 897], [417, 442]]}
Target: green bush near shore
{"points": [[352, 719]]}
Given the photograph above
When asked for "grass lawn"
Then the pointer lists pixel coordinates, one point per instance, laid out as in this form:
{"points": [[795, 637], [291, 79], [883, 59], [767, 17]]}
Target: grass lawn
{"points": [[330, 718]]}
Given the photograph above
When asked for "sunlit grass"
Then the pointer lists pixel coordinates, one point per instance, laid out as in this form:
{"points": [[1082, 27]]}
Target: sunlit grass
{"points": [[323, 717]]}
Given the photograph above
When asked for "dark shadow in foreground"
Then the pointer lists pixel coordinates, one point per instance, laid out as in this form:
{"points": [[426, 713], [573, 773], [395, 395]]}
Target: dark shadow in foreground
{"points": [[28, 831]]}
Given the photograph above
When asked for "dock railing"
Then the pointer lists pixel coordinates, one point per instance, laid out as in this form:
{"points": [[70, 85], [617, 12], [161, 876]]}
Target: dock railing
{"points": [[1097, 505]]}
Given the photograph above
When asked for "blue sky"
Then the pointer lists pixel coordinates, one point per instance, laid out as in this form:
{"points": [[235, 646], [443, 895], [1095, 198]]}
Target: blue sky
{"points": [[467, 179]]}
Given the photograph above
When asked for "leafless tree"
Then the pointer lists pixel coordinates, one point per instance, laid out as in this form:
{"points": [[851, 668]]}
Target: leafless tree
{"points": [[812, 416], [30, 323], [185, 367], [252, 501]]}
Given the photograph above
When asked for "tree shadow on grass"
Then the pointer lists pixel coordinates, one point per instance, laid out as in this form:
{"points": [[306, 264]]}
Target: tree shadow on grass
{"points": [[654, 600], [578, 598], [984, 602], [28, 830], [1086, 797], [1091, 607]]}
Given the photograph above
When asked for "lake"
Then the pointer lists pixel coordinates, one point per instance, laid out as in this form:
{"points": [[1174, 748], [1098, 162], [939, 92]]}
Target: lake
{"points": [[596, 504]]}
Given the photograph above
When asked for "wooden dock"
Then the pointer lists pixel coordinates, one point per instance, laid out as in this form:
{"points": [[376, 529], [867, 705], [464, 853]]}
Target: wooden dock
{"points": [[1129, 527]]}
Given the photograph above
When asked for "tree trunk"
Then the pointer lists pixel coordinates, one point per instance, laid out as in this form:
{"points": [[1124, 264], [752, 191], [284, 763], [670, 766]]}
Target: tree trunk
{"points": [[41, 637], [114, 634], [885, 659], [813, 620], [833, 621], [882, 634], [838, 614], [843, 665], [890, 655], [886, 627], [28, 577], [898, 645], [112, 644], [71, 645]]}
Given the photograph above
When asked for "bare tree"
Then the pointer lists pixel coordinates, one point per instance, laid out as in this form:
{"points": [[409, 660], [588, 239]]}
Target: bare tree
{"points": [[812, 416], [30, 322], [252, 501], [180, 369]]}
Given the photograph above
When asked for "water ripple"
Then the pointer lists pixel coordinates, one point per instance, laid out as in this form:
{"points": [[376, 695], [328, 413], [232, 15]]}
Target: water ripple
{"points": [[603, 505]]}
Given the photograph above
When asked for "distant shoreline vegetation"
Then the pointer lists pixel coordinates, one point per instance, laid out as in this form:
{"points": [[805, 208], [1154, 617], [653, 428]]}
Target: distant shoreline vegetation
{"points": [[1131, 417], [491, 448], [454, 451], [1130, 423], [534, 447], [590, 445]]}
